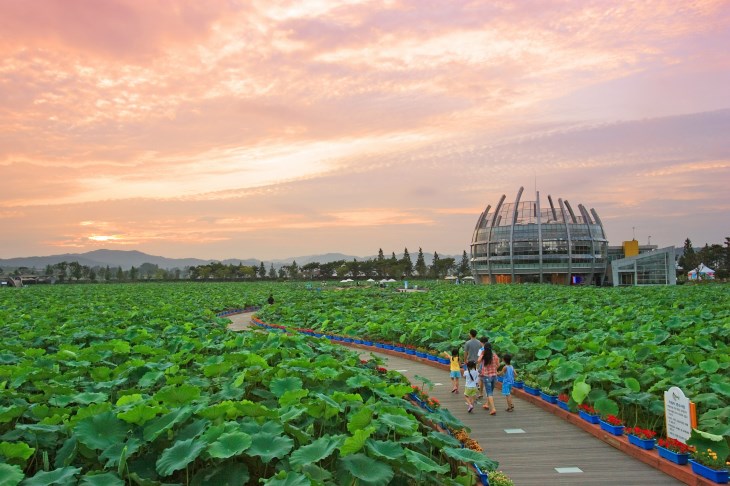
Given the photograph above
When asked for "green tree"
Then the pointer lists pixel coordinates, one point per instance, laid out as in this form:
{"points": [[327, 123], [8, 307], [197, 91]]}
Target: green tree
{"points": [[421, 267], [435, 265], [464, 267], [407, 263], [75, 270], [120, 274], [688, 260], [133, 274], [272, 272], [262, 270]]}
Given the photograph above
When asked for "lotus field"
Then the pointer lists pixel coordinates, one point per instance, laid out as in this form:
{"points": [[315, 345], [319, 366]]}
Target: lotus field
{"points": [[143, 384], [624, 346]]}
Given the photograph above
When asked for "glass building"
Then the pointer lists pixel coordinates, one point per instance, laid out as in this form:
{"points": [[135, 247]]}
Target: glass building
{"points": [[539, 241]]}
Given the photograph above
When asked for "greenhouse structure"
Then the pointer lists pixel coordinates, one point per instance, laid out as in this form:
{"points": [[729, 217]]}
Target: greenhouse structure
{"points": [[554, 242]]}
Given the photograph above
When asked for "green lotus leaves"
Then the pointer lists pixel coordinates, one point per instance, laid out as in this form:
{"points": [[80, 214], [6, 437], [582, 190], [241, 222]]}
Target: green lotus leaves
{"points": [[367, 470], [387, 449], [580, 391], [632, 384], [156, 427], [10, 475], [230, 444], [61, 476], [606, 406], [316, 451], [543, 353], [359, 419], [178, 456], [16, 452], [101, 431], [226, 474], [290, 478], [101, 479], [177, 395], [470, 456], [424, 463], [269, 446], [356, 441], [709, 366]]}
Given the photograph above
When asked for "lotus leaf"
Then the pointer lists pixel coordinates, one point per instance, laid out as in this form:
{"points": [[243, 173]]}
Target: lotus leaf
{"points": [[288, 479], [292, 396], [356, 441], [10, 475], [162, 424], [115, 452], [61, 476], [101, 431], [16, 452], [177, 395], [424, 463], [606, 406], [97, 478], [469, 456], [67, 452], [386, 449], [367, 470], [360, 419], [580, 391], [230, 444], [227, 474], [269, 446], [178, 456], [316, 451], [632, 384]]}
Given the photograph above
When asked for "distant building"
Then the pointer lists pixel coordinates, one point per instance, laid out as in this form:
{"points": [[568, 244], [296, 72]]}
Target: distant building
{"points": [[552, 242]]}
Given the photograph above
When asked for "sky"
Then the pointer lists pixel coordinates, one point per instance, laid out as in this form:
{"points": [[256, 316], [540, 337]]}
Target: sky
{"points": [[268, 129]]}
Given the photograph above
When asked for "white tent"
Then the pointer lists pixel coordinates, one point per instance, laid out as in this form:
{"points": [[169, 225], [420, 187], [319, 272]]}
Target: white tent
{"points": [[701, 273]]}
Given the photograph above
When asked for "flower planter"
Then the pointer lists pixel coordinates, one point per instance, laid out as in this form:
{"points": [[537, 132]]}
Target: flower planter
{"points": [[400, 349], [420, 354], [718, 475], [532, 391], [563, 405], [549, 398], [675, 457], [379, 345], [432, 357], [611, 429], [388, 346], [346, 340], [367, 343], [591, 419], [500, 379], [647, 444], [412, 352], [443, 360], [518, 384]]}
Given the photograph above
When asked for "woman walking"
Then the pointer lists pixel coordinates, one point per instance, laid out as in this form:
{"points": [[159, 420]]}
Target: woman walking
{"points": [[490, 360]]}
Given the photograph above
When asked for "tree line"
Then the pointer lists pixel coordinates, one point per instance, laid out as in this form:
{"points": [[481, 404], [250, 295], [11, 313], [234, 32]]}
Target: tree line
{"points": [[715, 256]]}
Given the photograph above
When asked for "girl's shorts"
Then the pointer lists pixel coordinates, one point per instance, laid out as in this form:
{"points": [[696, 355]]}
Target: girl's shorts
{"points": [[506, 389], [470, 392], [455, 374]]}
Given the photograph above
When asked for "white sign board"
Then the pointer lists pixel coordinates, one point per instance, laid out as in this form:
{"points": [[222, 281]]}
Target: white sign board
{"points": [[679, 413]]}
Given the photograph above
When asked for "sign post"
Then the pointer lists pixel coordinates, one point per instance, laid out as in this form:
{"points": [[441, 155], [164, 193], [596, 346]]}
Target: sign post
{"points": [[679, 413]]}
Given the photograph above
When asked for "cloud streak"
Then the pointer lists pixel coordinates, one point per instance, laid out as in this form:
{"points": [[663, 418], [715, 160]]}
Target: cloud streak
{"points": [[217, 127]]}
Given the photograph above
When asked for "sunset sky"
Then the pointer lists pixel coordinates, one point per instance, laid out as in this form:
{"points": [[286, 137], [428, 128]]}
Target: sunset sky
{"points": [[270, 129]]}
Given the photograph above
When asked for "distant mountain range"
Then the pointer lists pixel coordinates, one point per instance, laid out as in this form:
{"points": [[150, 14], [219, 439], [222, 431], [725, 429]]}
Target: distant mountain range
{"points": [[128, 259]]}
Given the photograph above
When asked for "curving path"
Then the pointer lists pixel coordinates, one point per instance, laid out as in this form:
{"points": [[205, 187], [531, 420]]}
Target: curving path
{"points": [[533, 446]]}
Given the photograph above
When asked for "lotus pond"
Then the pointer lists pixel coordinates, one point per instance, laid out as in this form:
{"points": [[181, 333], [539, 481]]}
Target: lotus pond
{"points": [[142, 384]]}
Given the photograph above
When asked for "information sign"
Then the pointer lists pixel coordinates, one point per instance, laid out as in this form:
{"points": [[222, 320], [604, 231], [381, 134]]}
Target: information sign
{"points": [[679, 414]]}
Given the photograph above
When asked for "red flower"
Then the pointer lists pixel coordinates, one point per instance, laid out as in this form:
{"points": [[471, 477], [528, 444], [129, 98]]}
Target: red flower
{"points": [[675, 446], [641, 433], [614, 420], [381, 369], [587, 409], [563, 397]]}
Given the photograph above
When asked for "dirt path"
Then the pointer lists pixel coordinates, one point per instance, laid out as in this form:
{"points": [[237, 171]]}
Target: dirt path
{"points": [[240, 322]]}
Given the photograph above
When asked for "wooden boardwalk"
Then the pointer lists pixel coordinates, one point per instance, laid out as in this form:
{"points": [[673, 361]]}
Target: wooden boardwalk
{"points": [[531, 444]]}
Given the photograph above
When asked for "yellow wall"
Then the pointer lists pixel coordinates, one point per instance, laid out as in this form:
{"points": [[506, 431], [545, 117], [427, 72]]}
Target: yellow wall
{"points": [[631, 248]]}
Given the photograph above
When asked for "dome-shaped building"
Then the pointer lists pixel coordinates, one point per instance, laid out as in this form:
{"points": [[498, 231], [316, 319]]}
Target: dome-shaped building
{"points": [[530, 241]]}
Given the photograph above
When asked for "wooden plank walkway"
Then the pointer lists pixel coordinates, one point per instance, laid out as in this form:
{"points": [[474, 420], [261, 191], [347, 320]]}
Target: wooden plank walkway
{"points": [[531, 444]]}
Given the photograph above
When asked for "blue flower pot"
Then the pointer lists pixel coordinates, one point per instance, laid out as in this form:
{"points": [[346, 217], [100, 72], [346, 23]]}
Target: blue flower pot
{"points": [[379, 345], [346, 340], [647, 444], [500, 379], [518, 384], [718, 475], [399, 349], [675, 457], [388, 347], [412, 352], [432, 357], [549, 398], [532, 391], [367, 343], [592, 419], [612, 429], [420, 354], [563, 405]]}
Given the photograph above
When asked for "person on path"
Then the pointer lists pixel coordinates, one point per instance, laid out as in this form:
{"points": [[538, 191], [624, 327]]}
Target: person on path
{"points": [[508, 372], [470, 388], [484, 340], [270, 300], [454, 368], [490, 360], [471, 347]]}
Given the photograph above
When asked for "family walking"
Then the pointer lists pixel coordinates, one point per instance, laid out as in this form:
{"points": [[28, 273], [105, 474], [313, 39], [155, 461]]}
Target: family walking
{"points": [[480, 375]]}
